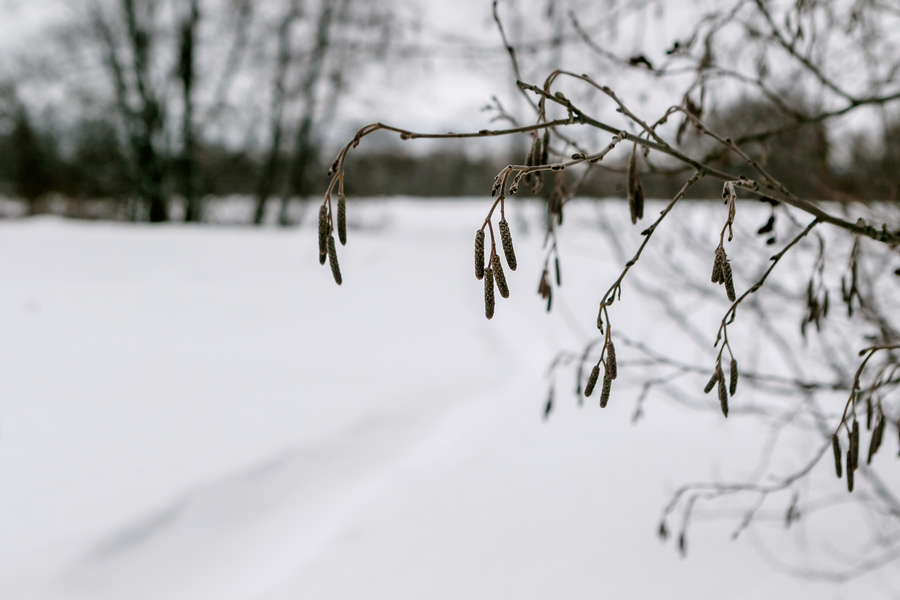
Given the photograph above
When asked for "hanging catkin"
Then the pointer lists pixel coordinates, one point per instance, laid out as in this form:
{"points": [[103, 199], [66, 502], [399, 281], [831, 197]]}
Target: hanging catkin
{"points": [[501, 278], [323, 234], [592, 380], [836, 447], [732, 384], [479, 254], [489, 293], [635, 189], [342, 220], [506, 239], [332, 256]]}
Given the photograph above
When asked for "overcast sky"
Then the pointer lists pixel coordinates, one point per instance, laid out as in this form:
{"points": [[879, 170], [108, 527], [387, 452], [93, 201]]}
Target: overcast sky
{"points": [[461, 66]]}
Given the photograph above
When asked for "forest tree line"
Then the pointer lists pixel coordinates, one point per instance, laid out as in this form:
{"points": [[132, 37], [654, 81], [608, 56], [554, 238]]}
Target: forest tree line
{"points": [[90, 161]]}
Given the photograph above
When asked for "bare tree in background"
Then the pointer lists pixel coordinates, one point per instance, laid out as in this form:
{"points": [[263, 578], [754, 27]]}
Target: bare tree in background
{"points": [[269, 172], [30, 168], [129, 40], [806, 66], [187, 71], [181, 77], [303, 153], [308, 79]]}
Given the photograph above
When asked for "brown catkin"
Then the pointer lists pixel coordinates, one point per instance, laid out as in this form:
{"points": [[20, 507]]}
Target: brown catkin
{"points": [[875, 443], [479, 254], [712, 382], [611, 367], [729, 282], [506, 239], [732, 383], [489, 293], [342, 220], [604, 393], [332, 257], [869, 412], [592, 380], [854, 445], [536, 152], [718, 275], [323, 234], [836, 447], [635, 189], [501, 278], [723, 395], [849, 471], [545, 149]]}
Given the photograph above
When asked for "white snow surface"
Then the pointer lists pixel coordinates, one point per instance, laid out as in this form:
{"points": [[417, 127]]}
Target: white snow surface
{"points": [[194, 413]]}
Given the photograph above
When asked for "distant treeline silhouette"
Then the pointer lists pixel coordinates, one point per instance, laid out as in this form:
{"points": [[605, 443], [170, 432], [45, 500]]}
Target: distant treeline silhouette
{"points": [[90, 162]]}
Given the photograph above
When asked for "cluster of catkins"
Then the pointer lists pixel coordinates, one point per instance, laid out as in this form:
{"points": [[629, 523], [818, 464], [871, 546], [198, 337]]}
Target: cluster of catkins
{"points": [[721, 272], [326, 236], [718, 379], [609, 374], [494, 270], [853, 438]]}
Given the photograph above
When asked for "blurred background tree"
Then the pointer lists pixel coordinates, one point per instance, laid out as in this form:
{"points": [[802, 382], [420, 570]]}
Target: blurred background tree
{"points": [[185, 92]]}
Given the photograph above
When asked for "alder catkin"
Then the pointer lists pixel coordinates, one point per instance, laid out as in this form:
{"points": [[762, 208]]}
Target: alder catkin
{"points": [[323, 234], [718, 275], [342, 220], [479, 254], [732, 384], [545, 149], [592, 380], [729, 282], [849, 471], [712, 382], [635, 189], [536, 152], [879, 431], [501, 278], [506, 239], [489, 293], [836, 447], [875, 443], [333, 259], [604, 393], [723, 395], [611, 367], [854, 445]]}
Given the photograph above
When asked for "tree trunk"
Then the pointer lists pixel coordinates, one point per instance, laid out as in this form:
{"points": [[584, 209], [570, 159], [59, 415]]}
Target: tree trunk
{"points": [[304, 153], [188, 158], [146, 121], [266, 184]]}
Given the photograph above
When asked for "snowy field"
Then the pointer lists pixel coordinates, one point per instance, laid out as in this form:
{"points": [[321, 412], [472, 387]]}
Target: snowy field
{"points": [[199, 413]]}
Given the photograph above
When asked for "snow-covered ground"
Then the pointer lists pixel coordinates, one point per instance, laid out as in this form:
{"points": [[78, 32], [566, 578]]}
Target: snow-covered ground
{"points": [[200, 413]]}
